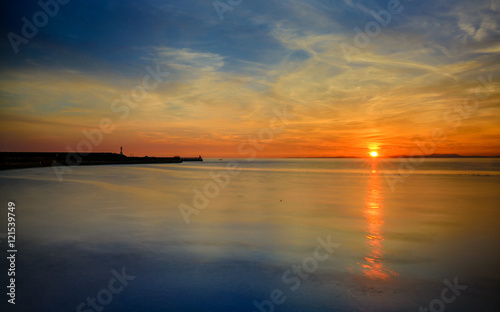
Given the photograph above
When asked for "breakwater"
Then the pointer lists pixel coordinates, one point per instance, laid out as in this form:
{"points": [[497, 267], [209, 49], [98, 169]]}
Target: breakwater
{"points": [[15, 160]]}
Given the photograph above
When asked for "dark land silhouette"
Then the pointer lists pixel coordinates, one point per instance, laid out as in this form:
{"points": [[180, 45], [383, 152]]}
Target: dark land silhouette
{"points": [[16, 160]]}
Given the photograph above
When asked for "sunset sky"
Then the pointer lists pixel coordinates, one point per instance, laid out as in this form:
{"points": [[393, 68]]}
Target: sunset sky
{"points": [[427, 67]]}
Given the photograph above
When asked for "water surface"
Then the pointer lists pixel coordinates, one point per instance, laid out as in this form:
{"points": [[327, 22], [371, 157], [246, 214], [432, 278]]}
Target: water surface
{"points": [[397, 244]]}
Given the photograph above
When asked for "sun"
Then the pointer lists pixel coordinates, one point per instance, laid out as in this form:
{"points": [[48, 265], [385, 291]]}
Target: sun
{"points": [[373, 154]]}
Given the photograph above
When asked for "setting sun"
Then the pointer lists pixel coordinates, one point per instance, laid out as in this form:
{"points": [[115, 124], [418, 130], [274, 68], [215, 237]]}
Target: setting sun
{"points": [[373, 154]]}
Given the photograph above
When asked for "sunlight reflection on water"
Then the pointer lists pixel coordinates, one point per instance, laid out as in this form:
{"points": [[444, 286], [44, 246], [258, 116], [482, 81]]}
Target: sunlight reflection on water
{"points": [[396, 247], [374, 260]]}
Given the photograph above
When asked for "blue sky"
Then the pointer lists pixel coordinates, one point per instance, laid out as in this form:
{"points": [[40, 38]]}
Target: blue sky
{"points": [[226, 77]]}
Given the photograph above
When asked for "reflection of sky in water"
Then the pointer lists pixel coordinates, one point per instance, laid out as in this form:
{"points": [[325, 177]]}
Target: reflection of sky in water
{"points": [[435, 226]]}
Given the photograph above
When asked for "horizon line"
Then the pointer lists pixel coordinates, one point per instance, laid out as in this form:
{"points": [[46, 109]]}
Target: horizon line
{"points": [[434, 155]]}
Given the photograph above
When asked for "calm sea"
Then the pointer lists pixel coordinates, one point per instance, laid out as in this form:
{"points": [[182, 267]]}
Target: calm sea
{"points": [[262, 235]]}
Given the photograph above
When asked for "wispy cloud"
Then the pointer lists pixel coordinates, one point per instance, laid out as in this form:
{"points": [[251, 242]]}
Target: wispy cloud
{"points": [[187, 59]]}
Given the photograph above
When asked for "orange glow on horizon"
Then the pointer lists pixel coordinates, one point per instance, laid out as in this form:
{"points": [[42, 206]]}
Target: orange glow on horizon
{"points": [[373, 154]]}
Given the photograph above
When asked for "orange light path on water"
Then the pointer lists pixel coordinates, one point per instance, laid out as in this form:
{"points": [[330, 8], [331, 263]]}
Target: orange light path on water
{"points": [[373, 267]]}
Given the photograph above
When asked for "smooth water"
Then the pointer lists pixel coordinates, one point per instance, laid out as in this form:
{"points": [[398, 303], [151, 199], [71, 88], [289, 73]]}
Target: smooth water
{"points": [[402, 229]]}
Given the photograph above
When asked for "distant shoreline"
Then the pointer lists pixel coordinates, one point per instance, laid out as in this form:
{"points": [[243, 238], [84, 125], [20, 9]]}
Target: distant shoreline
{"points": [[401, 156]]}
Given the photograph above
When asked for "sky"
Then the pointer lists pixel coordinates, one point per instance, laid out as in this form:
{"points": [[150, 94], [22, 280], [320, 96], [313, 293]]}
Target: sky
{"points": [[251, 78]]}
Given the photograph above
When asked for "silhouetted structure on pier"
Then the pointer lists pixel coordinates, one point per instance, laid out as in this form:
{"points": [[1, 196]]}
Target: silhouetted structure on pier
{"points": [[192, 158]]}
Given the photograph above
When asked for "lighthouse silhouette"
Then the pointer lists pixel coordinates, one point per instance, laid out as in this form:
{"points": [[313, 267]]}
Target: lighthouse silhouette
{"points": [[121, 150]]}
